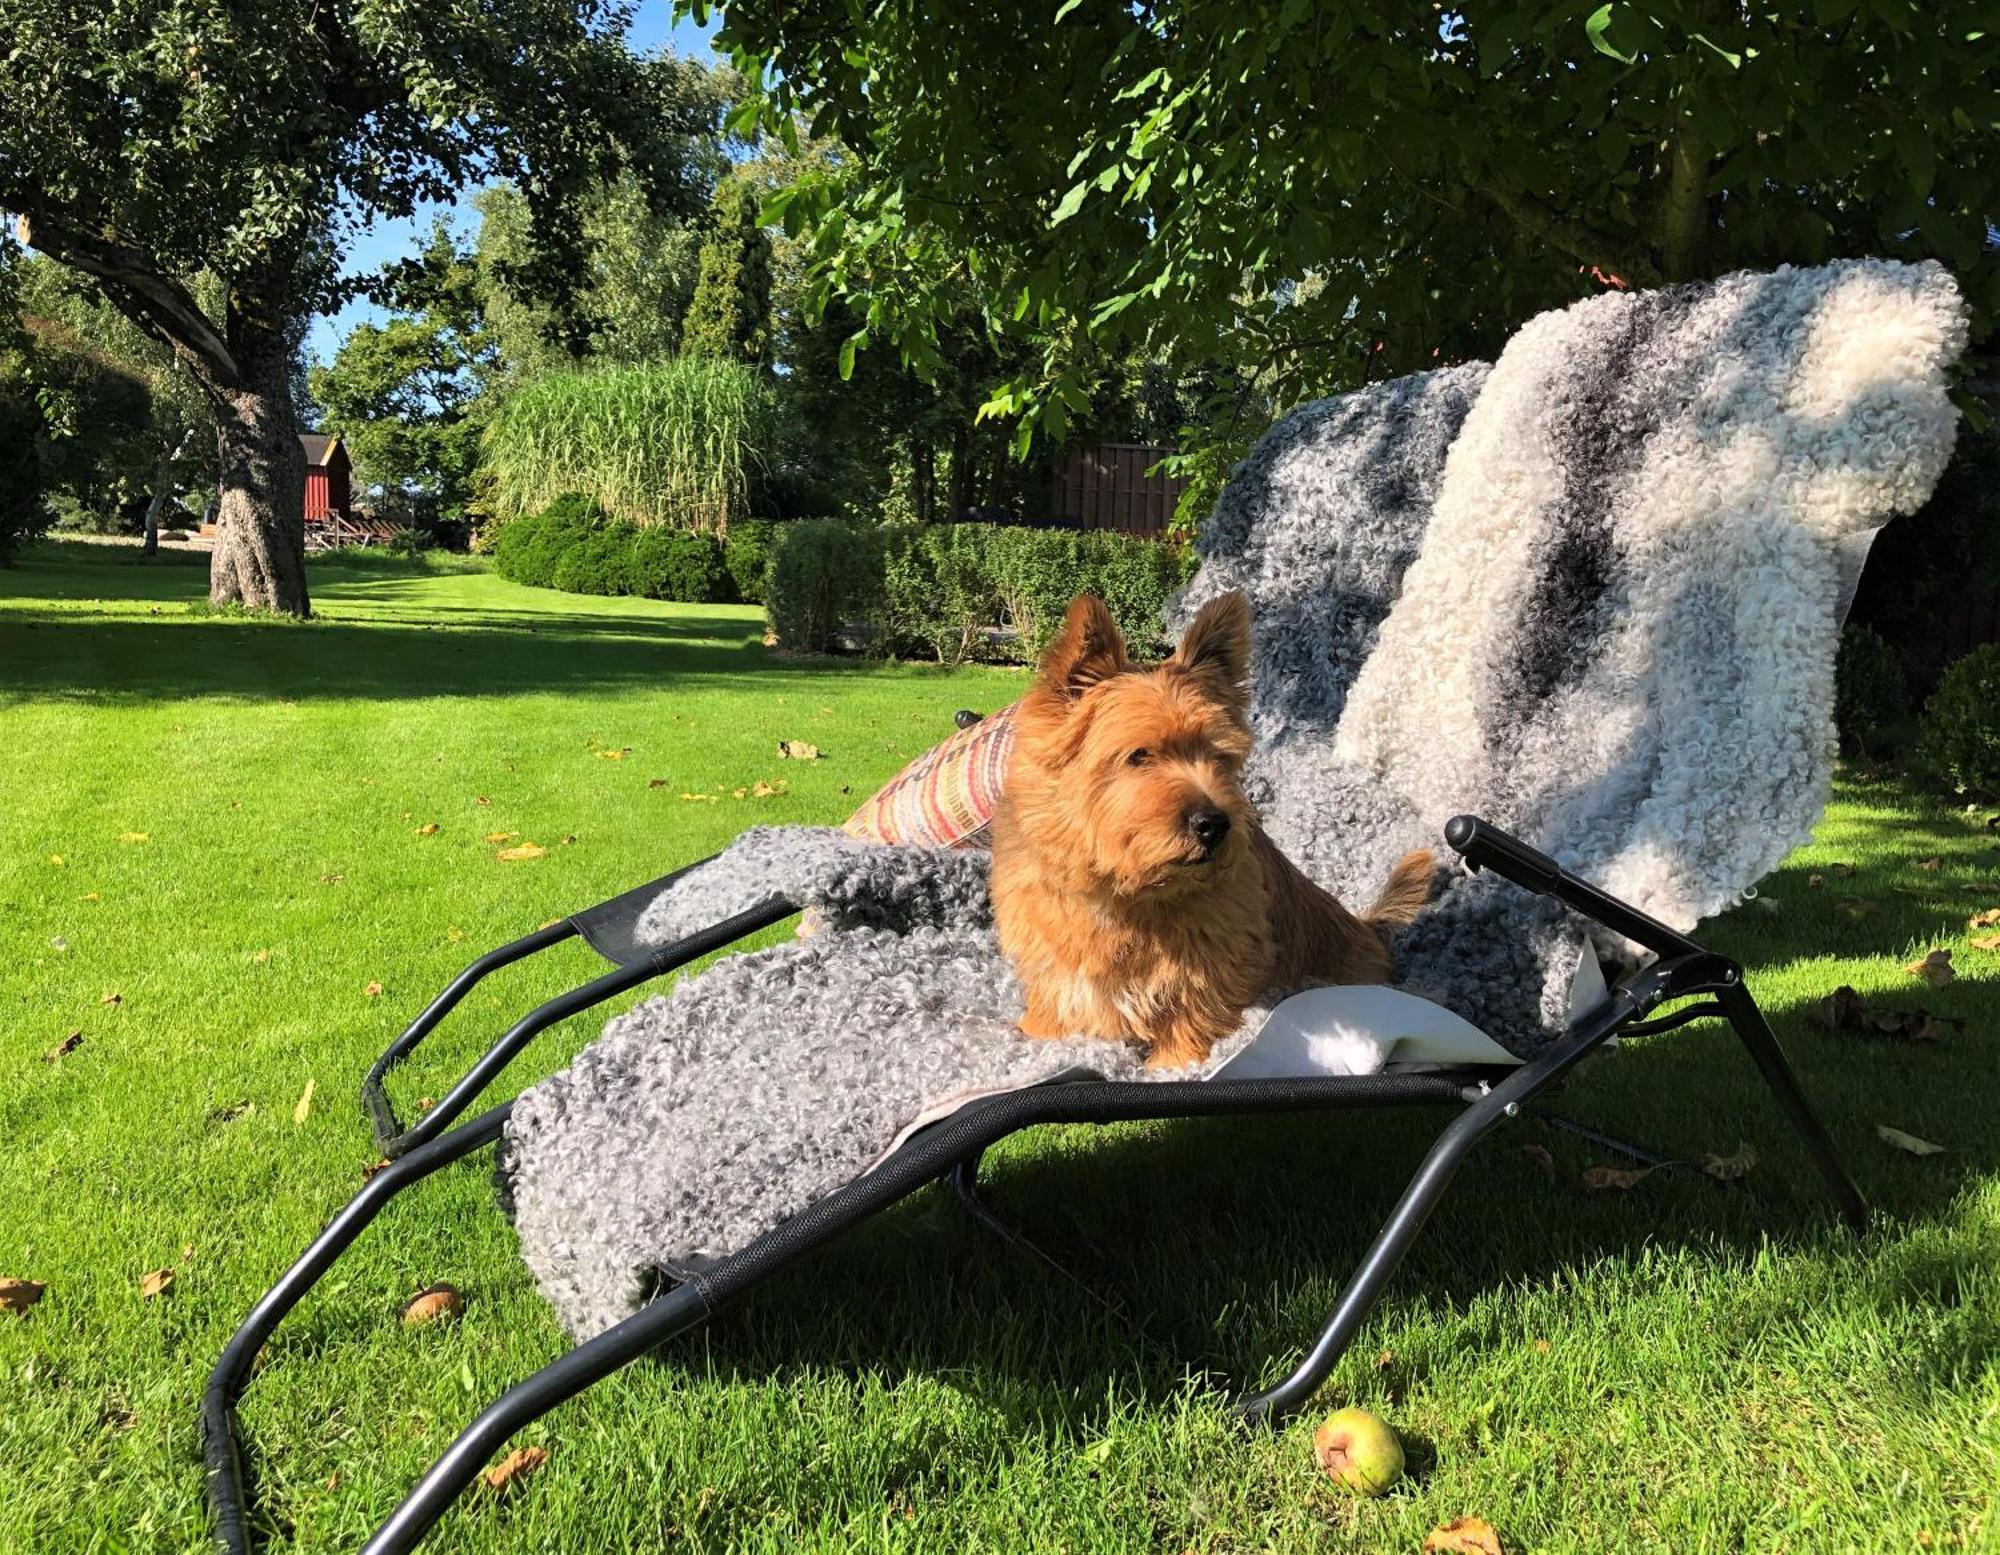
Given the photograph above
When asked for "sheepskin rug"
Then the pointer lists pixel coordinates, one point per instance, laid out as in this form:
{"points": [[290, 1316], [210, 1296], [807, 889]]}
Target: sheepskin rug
{"points": [[1592, 592]]}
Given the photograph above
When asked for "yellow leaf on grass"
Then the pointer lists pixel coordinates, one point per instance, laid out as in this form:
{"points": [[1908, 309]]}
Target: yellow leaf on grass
{"points": [[510, 1470], [135, 836], [373, 990], [1856, 906], [91, 896], [698, 798], [617, 755], [260, 956], [1931, 865], [64, 1048], [524, 852], [56, 860], [1989, 919], [111, 998], [1463, 1536], [1986, 942], [656, 782], [1934, 969], [428, 829], [453, 933], [1906, 1142], [158, 1283], [19, 1295], [1728, 1168], [798, 750], [496, 837], [303, 1110]]}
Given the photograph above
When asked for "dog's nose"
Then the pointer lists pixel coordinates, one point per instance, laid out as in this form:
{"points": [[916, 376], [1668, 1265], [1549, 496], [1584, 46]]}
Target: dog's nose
{"points": [[1209, 826]]}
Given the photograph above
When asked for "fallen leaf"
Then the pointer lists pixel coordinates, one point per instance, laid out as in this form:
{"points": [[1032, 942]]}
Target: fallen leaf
{"points": [[617, 755], [656, 782], [431, 1304], [1837, 1010], [64, 1048], [495, 837], [1815, 881], [232, 1112], [1463, 1536], [369, 1169], [510, 1470], [453, 933], [1728, 1168], [19, 1295], [1908, 1142], [1541, 1347], [1934, 969], [525, 851], [260, 956], [481, 799], [91, 896], [1987, 942], [111, 998], [331, 879], [135, 836], [373, 990], [1600, 1179], [56, 860], [59, 943], [1840, 871], [304, 1107], [570, 840], [1932, 864], [698, 798], [1385, 1360], [428, 829], [1540, 1156], [158, 1283], [763, 790], [1989, 919], [797, 750], [742, 793], [425, 1103], [117, 1414]]}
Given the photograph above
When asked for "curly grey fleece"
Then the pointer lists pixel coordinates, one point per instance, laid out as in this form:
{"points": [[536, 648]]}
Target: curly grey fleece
{"points": [[1592, 592]]}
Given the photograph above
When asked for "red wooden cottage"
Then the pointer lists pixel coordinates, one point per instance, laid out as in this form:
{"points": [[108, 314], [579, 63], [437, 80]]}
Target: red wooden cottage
{"points": [[329, 478]]}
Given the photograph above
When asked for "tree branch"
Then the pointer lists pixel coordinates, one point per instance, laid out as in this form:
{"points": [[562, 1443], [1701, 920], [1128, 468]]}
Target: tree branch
{"points": [[155, 300], [1586, 244]]}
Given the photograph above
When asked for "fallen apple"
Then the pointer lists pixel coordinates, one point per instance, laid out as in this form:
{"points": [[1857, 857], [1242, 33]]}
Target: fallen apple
{"points": [[1360, 1450]]}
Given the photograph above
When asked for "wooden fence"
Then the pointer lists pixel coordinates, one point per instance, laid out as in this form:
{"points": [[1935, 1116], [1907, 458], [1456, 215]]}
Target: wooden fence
{"points": [[1105, 486]]}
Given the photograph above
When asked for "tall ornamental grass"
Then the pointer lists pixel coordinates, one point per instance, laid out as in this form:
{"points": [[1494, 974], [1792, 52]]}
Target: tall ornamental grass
{"points": [[673, 442]]}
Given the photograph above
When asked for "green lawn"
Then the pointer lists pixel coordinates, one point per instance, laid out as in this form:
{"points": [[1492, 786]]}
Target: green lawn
{"points": [[225, 824]]}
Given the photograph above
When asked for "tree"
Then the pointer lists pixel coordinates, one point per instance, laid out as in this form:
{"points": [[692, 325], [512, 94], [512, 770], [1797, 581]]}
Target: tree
{"points": [[729, 317], [407, 396], [146, 145], [1325, 193], [21, 514]]}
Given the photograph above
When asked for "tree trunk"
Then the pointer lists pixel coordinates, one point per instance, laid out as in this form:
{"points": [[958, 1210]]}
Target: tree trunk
{"points": [[163, 491], [260, 542]]}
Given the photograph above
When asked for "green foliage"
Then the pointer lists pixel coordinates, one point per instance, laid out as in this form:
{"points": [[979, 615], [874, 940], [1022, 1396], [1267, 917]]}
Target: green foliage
{"points": [[675, 564], [574, 545], [729, 318], [409, 543], [1960, 743], [673, 442], [1869, 691], [746, 556], [939, 589], [22, 517], [407, 396], [527, 548], [1330, 193]]}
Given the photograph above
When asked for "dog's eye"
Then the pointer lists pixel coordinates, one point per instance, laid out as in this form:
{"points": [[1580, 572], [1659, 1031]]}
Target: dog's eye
{"points": [[1139, 758]]}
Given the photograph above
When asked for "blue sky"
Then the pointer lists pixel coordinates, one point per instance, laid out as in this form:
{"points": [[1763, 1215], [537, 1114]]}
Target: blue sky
{"points": [[654, 26]]}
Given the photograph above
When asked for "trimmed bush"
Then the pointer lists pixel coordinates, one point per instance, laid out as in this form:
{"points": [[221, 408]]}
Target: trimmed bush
{"points": [[1869, 692], [1960, 743], [938, 590], [746, 557], [598, 563], [674, 564], [527, 549]]}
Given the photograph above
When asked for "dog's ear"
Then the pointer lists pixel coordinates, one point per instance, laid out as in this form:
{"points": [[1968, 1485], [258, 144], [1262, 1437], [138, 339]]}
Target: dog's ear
{"points": [[1216, 647], [1089, 648]]}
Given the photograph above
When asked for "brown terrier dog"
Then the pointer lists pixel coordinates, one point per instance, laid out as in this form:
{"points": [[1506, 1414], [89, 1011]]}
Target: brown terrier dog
{"points": [[1134, 892]]}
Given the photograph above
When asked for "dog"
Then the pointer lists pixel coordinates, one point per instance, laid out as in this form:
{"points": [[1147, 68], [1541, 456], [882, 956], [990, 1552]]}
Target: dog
{"points": [[1133, 890]]}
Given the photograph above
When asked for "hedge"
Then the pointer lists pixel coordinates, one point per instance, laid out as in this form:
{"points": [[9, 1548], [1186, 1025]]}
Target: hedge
{"points": [[939, 590], [573, 544], [1960, 743]]}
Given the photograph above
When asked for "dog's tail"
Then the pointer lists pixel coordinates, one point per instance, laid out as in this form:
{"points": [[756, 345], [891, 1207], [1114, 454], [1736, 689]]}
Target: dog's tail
{"points": [[1406, 892]]}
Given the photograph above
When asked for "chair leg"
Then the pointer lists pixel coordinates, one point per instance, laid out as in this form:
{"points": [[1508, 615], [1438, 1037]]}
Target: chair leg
{"points": [[1426, 1187], [1749, 1024], [963, 1181]]}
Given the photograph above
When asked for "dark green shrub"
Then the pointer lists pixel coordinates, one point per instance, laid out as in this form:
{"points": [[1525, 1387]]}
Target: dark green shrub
{"points": [[824, 575], [1869, 692], [1960, 743], [408, 542], [674, 564], [938, 589], [746, 556], [596, 562], [527, 549]]}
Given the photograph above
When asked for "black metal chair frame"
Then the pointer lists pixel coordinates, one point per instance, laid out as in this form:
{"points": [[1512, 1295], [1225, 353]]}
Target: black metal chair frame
{"points": [[950, 1150]]}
